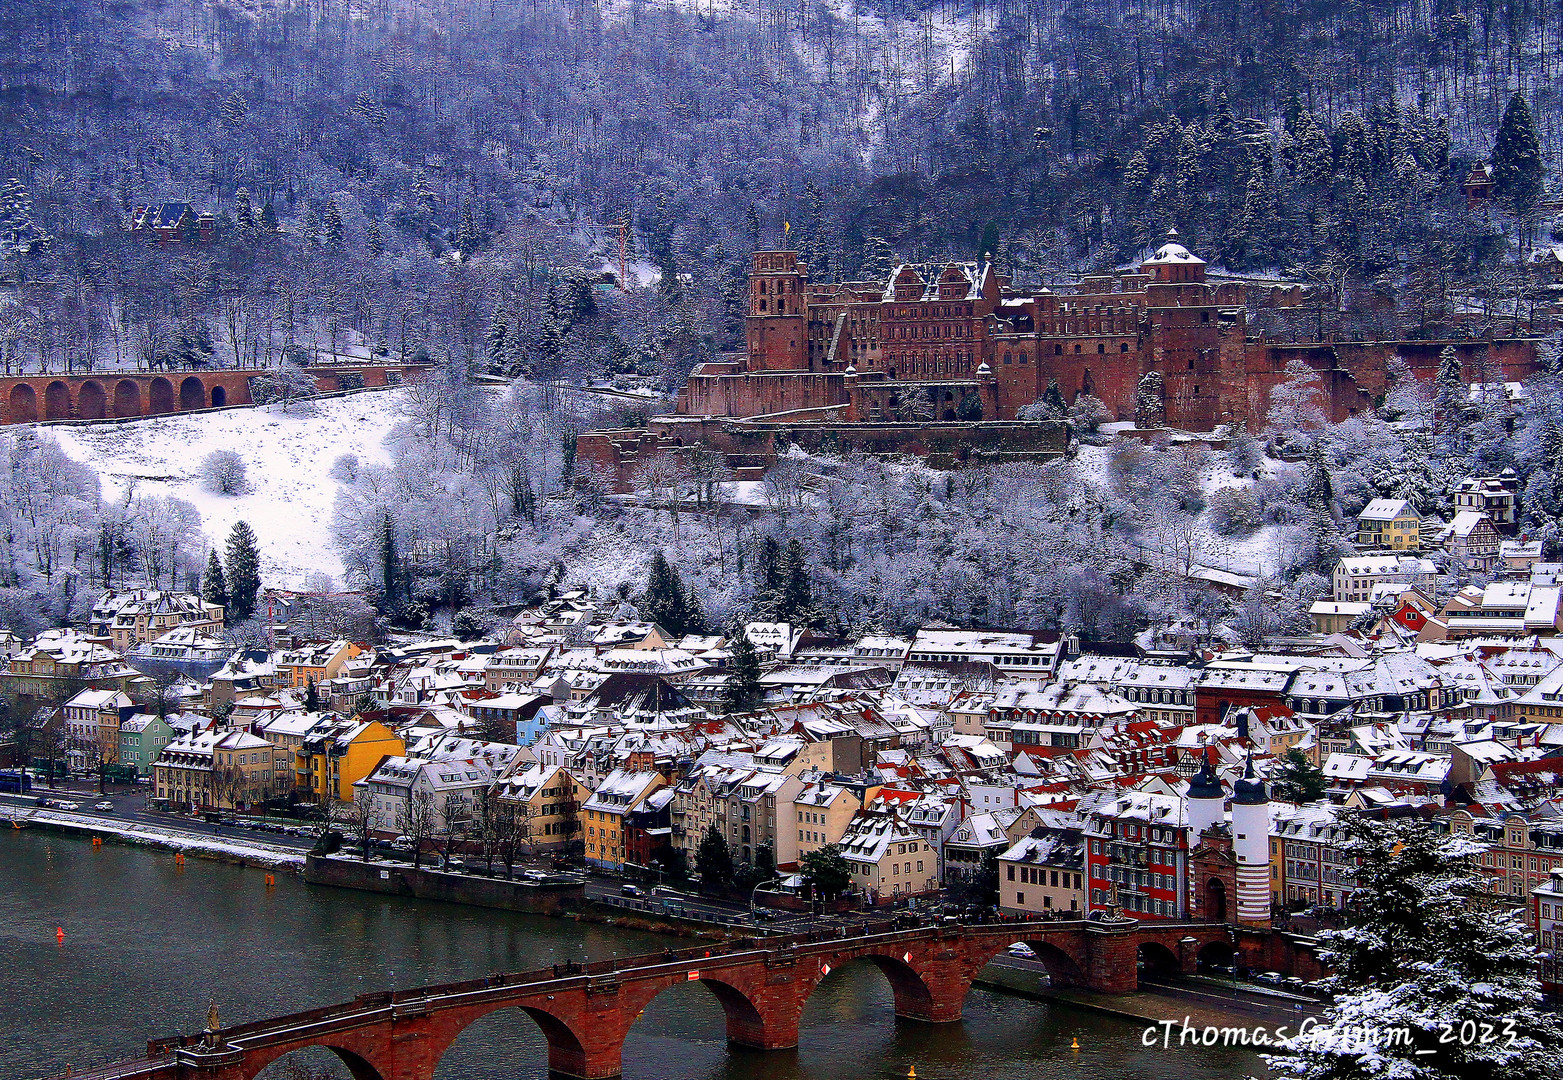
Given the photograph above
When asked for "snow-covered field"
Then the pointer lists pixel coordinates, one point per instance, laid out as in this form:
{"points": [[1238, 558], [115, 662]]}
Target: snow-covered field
{"points": [[289, 456]]}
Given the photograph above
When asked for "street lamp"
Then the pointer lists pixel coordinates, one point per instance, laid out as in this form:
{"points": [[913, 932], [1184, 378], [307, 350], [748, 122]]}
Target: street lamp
{"points": [[755, 891]]}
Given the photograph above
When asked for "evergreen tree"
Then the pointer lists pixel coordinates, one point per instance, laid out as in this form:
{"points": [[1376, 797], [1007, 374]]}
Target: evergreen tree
{"points": [[714, 862], [243, 572], [1517, 168], [827, 871], [1297, 779], [390, 596], [332, 223], [268, 217], [1425, 953], [797, 598], [878, 259], [743, 692], [1319, 492], [665, 602], [373, 240], [1451, 401], [234, 110], [214, 587], [498, 335], [243, 215], [1053, 400], [311, 696], [772, 580]]}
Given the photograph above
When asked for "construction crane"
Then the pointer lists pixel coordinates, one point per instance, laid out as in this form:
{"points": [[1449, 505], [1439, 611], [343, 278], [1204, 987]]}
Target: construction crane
{"points": [[623, 229]]}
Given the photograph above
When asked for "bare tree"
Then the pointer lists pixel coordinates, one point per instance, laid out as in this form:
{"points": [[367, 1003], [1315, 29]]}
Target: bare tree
{"points": [[359, 818], [416, 819]]}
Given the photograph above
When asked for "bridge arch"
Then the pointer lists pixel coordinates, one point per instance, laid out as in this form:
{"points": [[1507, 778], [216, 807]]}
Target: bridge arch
{"points": [[192, 394], [219, 396], [127, 398], [1155, 960], [91, 401], [57, 401], [913, 998], [258, 1064], [566, 1053], [161, 393], [1214, 953], [1063, 969], [23, 404]]}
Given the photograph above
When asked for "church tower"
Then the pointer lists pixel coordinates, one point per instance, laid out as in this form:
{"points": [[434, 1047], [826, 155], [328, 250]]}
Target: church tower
{"points": [[1251, 845], [777, 327], [1207, 801]]}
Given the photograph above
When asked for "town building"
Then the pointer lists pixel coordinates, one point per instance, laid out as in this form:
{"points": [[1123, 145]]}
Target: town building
{"points": [[1390, 524], [1043, 874]]}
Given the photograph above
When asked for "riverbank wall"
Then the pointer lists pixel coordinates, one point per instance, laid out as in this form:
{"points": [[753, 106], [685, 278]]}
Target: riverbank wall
{"points": [[222, 849], [423, 883]]}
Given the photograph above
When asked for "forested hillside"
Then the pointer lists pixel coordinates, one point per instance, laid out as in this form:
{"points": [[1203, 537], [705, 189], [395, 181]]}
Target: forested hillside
{"points": [[419, 175]]}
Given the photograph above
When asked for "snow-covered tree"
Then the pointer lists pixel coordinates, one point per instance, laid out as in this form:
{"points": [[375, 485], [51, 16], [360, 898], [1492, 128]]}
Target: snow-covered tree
{"points": [[1150, 401], [1297, 404], [223, 472], [1431, 981]]}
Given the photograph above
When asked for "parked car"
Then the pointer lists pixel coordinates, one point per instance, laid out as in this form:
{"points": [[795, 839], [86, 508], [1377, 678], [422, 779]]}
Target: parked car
{"points": [[404, 843], [1022, 950], [1293, 983], [1317, 989], [1269, 978], [103, 805], [66, 804]]}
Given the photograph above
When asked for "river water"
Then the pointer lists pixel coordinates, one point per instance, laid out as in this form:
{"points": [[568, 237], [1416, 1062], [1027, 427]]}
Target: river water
{"points": [[148, 944]]}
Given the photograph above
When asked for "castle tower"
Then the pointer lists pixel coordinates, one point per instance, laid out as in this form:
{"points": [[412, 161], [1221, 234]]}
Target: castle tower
{"points": [[1207, 801], [777, 325], [1251, 845]]}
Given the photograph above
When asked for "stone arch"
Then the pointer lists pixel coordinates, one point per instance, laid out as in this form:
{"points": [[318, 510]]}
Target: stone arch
{"points": [[219, 397], [912, 996], [1214, 953], [566, 1055], [24, 404], [1155, 959], [747, 1025], [91, 401], [358, 1067], [127, 398], [192, 394], [57, 401], [161, 394], [1062, 969]]}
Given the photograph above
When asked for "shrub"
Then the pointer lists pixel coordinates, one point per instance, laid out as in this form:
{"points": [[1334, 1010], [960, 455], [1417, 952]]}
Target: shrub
{"points": [[223, 472]]}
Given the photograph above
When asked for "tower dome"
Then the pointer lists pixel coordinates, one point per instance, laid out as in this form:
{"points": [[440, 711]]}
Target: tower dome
{"points": [[1250, 790], [1206, 799]]}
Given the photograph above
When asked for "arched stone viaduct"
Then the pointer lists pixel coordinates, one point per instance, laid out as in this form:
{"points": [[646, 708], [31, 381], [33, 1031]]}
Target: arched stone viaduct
{"points": [[586, 1012], [27, 399]]}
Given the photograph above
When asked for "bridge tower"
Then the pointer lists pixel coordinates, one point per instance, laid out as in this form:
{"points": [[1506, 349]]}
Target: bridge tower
{"points": [[1207, 800], [1251, 845]]}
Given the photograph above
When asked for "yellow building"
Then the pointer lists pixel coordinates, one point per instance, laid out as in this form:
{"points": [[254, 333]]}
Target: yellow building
{"points": [[1390, 524], [621, 791], [315, 663], [337, 754], [550, 798]]}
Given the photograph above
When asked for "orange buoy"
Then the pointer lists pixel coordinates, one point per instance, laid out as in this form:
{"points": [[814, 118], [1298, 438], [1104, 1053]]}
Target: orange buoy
{"points": [[1074, 1044], [59, 934], [271, 880], [179, 858]]}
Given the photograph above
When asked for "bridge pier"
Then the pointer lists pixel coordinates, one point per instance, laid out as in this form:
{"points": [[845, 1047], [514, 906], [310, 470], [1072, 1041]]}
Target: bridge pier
{"points": [[1112, 956]]}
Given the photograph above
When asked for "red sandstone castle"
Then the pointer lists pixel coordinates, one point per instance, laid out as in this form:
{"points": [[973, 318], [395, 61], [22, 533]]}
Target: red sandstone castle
{"points": [[853, 351]]}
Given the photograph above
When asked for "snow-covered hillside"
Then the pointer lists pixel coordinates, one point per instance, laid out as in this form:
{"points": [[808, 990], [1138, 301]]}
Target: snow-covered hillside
{"points": [[289, 456]]}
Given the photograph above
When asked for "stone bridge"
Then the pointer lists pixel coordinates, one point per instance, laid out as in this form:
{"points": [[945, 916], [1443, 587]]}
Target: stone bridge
{"points": [[585, 1012], [105, 395]]}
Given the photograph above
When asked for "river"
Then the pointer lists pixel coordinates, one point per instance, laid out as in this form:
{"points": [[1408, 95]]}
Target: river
{"points": [[149, 943]]}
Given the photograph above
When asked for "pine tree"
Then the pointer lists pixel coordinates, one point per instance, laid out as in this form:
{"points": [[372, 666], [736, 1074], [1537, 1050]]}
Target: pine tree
{"points": [[1053, 400], [1319, 492], [372, 239], [1451, 400], [797, 599], [332, 220], [743, 692], [714, 861], [214, 587], [268, 217], [311, 697], [772, 579], [243, 215], [498, 336], [665, 602], [234, 110], [1297, 779], [243, 572], [1517, 169], [878, 259], [1426, 954], [390, 597]]}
